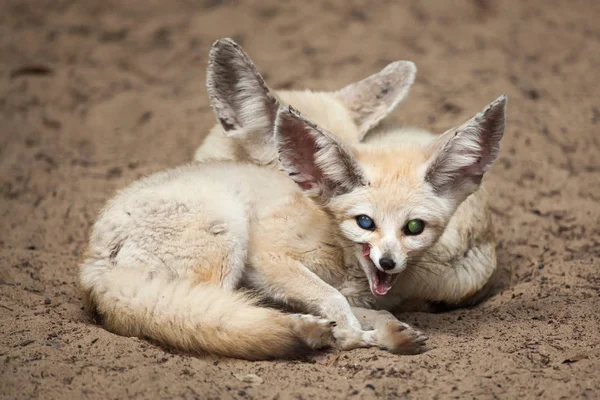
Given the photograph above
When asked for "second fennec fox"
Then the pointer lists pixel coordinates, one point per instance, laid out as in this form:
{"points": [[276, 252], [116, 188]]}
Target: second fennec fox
{"points": [[453, 269], [169, 254]]}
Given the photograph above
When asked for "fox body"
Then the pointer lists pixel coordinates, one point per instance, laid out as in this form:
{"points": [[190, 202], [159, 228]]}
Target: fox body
{"points": [[337, 238]]}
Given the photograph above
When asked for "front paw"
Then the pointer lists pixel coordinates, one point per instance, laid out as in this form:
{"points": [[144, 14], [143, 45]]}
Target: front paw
{"points": [[400, 338]]}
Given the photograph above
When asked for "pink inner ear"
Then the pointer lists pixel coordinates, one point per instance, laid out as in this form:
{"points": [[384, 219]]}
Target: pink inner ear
{"points": [[300, 149], [478, 168], [306, 185]]}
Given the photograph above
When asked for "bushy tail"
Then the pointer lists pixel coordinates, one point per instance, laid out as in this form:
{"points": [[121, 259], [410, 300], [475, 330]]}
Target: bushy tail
{"points": [[198, 318]]}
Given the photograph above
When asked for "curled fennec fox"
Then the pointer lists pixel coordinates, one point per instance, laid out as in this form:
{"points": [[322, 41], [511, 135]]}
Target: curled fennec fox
{"points": [[169, 254], [450, 271]]}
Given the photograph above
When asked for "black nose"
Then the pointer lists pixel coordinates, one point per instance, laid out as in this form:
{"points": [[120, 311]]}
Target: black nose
{"points": [[387, 263]]}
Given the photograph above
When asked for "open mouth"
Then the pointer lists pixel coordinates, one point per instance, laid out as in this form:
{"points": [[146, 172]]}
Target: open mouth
{"points": [[381, 283]]}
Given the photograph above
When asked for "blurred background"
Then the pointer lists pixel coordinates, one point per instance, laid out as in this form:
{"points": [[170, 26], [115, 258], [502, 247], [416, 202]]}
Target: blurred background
{"points": [[94, 94]]}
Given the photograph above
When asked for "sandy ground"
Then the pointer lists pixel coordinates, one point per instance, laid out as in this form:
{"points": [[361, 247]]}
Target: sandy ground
{"points": [[94, 94]]}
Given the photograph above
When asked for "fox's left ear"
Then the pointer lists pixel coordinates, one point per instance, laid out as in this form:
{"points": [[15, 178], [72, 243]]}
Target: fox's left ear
{"points": [[461, 156], [373, 98], [319, 163], [239, 96]]}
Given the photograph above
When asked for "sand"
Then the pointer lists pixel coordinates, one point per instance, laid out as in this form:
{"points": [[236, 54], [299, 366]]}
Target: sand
{"points": [[95, 94]]}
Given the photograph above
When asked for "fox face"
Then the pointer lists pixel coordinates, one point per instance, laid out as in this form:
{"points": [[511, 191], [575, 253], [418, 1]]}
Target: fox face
{"points": [[390, 204], [393, 219]]}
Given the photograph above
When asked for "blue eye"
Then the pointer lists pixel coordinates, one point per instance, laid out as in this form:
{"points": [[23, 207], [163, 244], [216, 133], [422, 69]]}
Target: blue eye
{"points": [[365, 222]]}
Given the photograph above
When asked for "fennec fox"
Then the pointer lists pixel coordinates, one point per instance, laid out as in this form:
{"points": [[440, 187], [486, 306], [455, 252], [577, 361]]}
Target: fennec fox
{"points": [[170, 253], [451, 270]]}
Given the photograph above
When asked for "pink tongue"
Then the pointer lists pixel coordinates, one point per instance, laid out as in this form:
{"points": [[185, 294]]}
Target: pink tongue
{"points": [[382, 283]]}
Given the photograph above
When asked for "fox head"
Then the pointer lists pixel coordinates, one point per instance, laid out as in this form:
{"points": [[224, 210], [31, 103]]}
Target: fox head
{"points": [[390, 203], [246, 108]]}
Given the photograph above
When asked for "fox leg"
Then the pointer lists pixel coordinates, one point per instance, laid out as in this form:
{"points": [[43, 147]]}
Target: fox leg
{"points": [[390, 333], [287, 280]]}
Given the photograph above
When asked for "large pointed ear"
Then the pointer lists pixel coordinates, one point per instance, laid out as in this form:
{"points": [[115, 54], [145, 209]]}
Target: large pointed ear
{"points": [[461, 156], [238, 94], [320, 164], [373, 98]]}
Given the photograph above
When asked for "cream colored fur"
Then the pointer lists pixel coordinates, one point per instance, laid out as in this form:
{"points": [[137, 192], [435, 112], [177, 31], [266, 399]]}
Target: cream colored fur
{"points": [[461, 261], [168, 256], [172, 257]]}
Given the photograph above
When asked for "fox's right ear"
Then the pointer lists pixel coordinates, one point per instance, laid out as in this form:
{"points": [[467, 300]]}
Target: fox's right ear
{"points": [[373, 98], [320, 164], [238, 94]]}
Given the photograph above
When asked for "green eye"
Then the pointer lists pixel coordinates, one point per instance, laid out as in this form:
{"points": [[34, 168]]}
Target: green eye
{"points": [[414, 227]]}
